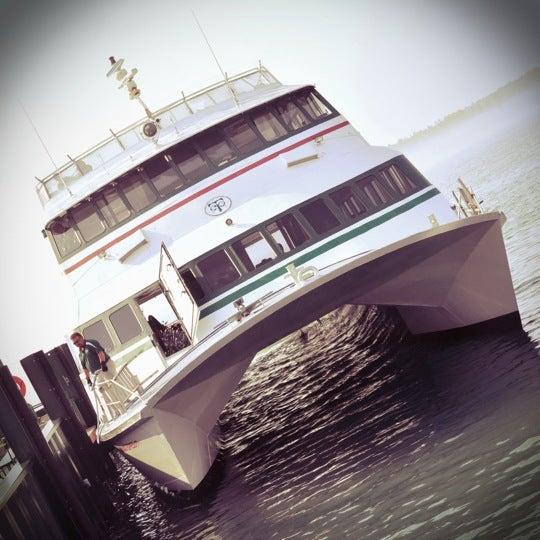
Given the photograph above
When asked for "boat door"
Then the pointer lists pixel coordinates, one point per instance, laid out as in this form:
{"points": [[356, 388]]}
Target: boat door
{"points": [[177, 294]]}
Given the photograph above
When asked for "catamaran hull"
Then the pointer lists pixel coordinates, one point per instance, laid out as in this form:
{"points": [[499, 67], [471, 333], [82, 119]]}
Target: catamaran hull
{"points": [[445, 278]]}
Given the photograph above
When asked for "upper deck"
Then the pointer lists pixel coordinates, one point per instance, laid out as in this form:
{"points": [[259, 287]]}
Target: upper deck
{"points": [[125, 149]]}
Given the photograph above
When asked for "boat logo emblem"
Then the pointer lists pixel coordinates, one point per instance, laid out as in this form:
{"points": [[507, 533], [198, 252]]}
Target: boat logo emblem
{"points": [[217, 206]]}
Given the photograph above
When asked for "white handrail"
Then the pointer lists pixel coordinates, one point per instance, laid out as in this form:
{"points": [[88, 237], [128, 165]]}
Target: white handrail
{"points": [[74, 164]]}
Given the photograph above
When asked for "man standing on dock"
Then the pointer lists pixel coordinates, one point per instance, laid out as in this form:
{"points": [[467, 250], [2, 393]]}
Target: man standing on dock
{"points": [[93, 358]]}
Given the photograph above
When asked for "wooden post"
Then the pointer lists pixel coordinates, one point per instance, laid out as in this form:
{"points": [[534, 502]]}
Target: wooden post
{"points": [[22, 433]]}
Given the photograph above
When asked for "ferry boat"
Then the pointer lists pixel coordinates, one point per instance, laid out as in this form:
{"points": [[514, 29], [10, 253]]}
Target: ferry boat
{"points": [[217, 225]]}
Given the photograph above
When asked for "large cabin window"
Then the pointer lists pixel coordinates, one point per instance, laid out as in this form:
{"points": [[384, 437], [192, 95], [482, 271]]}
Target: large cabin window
{"points": [[216, 148], [349, 202], [191, 164], [242, 136], [112, 206], [268, 125], [287, 233], [98, 332], [65, 236], [398, 180], [312, 104], [291, 115], [88, 220], [319, 216], [219, 270], [125, 324], [377, 194], [254, 251], [137, 191], [162, 175]]}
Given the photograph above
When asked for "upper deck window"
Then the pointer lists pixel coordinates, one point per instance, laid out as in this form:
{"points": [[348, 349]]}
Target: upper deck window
{"points": [[88, 220], [312, 104], [189, 161], [65, 236], [349, 202], [112, 206], [162, 175], [287, 233], [319, 216], [219, 270], [242, 136], [137, 191], [268, 125], [216, 148], [254, 251], [291, 115]]}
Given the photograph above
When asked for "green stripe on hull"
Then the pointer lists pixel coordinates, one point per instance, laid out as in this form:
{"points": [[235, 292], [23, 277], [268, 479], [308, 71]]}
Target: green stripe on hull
{"points": [[323, 248]]}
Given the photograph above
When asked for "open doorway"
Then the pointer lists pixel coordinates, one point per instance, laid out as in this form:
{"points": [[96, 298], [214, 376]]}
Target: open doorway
{"points": [[166, 328]]}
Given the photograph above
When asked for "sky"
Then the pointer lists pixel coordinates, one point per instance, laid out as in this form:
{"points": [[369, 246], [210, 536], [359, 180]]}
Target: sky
{"points": [[391, 67]]}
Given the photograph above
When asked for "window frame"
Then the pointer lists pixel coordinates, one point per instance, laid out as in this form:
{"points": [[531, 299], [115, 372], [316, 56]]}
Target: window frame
{"points": [[313, 237], [104, 317], [246, 115]]}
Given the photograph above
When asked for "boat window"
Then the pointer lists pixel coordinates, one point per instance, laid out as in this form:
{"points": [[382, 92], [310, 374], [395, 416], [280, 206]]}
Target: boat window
{"points": [[377, 194], [291, 115], [193, 286], [287, 233], [98, 332], [254, 251], [162, 175], [189, 161], [268, 125], [64, 235], [398, 180], [349, 202], [312, 104], [242, 136], [216, 148], [319, 216], [137, 191], [125, 323], [112, 206], [88, 221], [218, 269]]}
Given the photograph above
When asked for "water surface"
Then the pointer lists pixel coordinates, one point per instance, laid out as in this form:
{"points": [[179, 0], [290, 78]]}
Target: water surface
{"points": [[367, 432]]}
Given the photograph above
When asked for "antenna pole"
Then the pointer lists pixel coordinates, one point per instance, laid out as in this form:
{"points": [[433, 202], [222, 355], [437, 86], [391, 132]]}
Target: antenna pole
{"points": [[37, 134], [223, 74]]}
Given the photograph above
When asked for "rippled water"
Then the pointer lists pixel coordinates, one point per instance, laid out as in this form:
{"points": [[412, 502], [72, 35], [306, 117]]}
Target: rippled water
{"points": [[367, 432]]}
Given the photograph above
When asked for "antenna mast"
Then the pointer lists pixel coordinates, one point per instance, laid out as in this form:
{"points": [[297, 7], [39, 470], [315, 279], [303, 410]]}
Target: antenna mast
{"points": [[223, 73], [127, 80], [37, 134]]}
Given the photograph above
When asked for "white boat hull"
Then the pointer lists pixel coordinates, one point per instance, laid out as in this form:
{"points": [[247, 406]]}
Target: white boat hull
{"points": [[449, 277]]}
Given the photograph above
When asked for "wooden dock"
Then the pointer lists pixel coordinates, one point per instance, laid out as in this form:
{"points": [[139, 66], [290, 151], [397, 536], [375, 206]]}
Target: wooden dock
{"points": [[51, 476]]}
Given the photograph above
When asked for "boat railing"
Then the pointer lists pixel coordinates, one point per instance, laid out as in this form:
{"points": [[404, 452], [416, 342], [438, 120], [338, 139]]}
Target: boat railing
{"points": [[120, 141], [113, 396], [467, 204]]}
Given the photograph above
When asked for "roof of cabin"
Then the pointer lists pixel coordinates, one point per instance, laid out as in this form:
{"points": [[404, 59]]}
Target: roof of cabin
{"points": [[73, 183]]}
